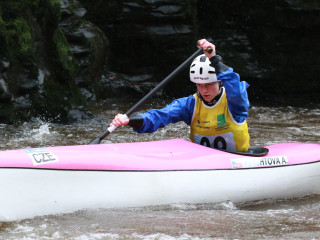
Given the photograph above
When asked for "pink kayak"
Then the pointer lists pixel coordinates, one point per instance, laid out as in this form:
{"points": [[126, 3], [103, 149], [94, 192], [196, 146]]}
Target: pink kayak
{"points": [[52, 180]]}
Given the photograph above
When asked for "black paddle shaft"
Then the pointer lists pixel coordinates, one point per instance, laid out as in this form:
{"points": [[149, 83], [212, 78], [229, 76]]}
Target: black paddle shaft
{"points": [[152, 92], [163, 82]]}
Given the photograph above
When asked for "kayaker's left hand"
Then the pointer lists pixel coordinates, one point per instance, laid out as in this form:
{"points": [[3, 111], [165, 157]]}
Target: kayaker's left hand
{"points": [[120, 120]]}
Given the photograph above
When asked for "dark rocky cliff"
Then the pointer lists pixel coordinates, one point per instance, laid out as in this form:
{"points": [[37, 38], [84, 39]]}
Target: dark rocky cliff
{"points": [[49, 55], [56, 55]]}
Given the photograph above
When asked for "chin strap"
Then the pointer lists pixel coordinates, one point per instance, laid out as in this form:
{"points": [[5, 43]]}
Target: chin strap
{"points": [[214, 100]]}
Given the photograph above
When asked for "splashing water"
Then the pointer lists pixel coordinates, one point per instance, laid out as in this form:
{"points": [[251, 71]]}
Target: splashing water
{"points": [[29, 134], [288, 219]]}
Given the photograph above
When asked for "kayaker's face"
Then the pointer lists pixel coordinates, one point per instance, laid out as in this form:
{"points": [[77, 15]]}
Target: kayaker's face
{"points": [[208, 90]]}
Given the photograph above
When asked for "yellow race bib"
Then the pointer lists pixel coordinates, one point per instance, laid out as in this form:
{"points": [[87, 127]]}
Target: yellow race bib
{"points": [[215, 127]]}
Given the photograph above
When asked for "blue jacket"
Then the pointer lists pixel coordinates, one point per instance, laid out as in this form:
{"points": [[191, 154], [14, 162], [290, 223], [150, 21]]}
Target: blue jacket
{"points": [[182, 109]]}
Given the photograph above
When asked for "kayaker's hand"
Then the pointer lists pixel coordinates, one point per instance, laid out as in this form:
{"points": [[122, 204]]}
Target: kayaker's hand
{"points": [[120, 120], [209, 49]]}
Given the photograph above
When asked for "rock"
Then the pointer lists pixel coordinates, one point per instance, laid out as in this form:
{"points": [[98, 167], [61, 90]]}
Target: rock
{"points": [[4, 91], [48, 52], [55, 55], [146, 37], [78, 114]]}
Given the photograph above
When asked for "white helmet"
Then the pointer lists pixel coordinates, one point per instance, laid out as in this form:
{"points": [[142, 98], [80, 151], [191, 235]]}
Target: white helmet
{"points": [[201, 71]]}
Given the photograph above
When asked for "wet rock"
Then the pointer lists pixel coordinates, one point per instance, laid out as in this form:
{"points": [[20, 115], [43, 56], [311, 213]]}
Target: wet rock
{"points": [[4, 91], [115, 85], [267, 42], [48, 52], [59, 54], [78, 114], [80, 12], [88, 45], [22, 102], [87, 94], [146, 36]]}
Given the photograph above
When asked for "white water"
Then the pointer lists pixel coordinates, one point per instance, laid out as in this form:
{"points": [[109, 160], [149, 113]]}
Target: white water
{"points": [[286, 219]]}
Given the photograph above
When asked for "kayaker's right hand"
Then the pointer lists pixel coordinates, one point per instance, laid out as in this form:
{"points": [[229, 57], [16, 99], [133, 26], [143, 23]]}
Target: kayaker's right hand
{"points": [[120, 120], [209, 49]]}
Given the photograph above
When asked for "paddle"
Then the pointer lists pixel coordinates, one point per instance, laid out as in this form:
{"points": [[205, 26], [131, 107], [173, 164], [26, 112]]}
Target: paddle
{"points": [[150, 94]]}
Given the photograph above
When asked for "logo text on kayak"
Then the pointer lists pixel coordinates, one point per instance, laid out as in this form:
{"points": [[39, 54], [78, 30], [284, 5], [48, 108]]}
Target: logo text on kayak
{"points": [[40, 156], [259, 162]]}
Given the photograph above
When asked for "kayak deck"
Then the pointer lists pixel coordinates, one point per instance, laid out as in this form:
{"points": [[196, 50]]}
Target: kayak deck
{"points": [[174, 154]]}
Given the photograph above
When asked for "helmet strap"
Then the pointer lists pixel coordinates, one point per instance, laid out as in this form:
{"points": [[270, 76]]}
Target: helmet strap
{"points": [[214, 100]]}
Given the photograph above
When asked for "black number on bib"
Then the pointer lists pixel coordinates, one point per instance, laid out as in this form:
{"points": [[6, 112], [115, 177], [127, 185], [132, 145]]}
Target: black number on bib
{"points": [[205, 142], [220, 143]]}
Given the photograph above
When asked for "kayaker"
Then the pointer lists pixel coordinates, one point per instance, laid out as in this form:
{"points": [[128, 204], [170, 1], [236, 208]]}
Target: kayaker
{"points": [[216, 113]]}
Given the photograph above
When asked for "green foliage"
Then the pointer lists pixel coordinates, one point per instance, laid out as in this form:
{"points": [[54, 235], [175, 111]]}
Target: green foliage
{"points": [[17, 8], [1, 20], [16, 25], [65, 56], [55, 9], [54, 95], [76, 97], [16, 32], [19, 38], [60, 97], [2, 35]]}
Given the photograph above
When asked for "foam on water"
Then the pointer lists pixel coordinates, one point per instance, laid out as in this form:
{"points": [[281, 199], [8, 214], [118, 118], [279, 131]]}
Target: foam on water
{"points": [[40, 132], [156, 236], [208, 206], [266, 219]]}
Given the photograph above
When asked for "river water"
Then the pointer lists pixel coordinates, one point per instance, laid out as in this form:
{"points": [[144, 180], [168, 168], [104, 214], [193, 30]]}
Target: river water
{"points": [[297, 218]]}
